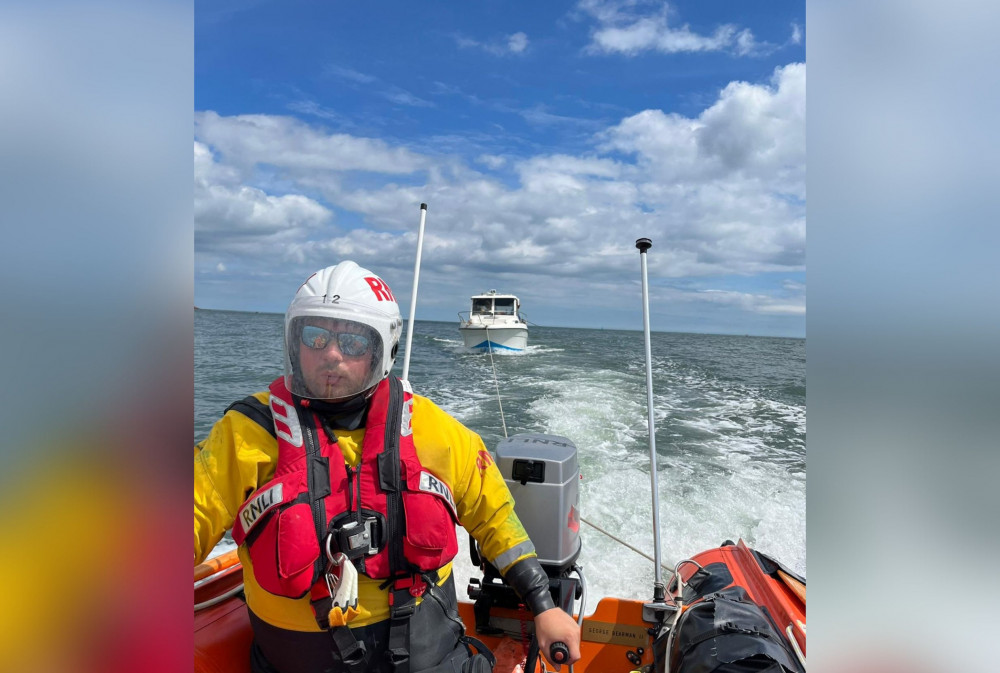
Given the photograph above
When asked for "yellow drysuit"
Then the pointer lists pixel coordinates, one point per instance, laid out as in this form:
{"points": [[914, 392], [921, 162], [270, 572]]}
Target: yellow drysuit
{"points": [[238, 456]]}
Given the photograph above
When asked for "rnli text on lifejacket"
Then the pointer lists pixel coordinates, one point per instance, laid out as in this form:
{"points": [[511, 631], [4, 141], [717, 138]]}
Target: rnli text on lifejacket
{"points": [[430, 484], [260, 504]]}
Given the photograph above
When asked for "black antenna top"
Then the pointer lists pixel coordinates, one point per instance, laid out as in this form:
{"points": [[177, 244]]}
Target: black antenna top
{"points": [[643, 244], [423, 206]]}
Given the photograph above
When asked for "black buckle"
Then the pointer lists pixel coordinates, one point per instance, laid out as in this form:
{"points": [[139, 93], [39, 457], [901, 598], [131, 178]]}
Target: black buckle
{"points": [[357, 656], [352, 652], [356, 538], [403, 611], [397, 656], [402, 604]]}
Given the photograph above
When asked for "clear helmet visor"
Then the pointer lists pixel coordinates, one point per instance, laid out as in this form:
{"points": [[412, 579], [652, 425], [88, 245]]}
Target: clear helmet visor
{"points": [[335, 350]]}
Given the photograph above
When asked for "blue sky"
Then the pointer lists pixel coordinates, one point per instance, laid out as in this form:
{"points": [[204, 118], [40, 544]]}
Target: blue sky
{"points": [[544, 137]]}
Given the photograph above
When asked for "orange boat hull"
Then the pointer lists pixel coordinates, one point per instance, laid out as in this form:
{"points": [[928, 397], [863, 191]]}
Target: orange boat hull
{"points": [[615, 639]]}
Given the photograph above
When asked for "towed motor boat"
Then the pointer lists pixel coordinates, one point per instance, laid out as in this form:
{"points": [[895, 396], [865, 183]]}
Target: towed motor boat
{"points": [[494, 323]]}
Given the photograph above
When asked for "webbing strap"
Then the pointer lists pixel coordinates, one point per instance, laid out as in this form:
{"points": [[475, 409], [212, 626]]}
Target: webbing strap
{"points": [[256, 411], [390, 478], [402, 603], [402, 607]]}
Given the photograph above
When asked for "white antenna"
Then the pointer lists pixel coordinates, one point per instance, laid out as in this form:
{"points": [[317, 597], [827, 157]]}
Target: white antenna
{"points": [[413, 298], [658, 607]]}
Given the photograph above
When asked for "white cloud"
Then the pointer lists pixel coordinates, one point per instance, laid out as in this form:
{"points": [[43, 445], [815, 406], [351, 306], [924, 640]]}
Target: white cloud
{"points": [[206, 170], [721, 194], [745, 43], [754, 303], [491, 161], [622, 29], [752, 132], [796, 37], [760, 128], [314, 109], [238, 219], [245, 140], [247, 210], [402, 97], [516, 43], [540, 116], [390, 92], [349, 74]]}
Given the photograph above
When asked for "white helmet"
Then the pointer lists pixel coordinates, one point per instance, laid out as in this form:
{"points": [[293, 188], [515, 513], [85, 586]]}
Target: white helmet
{"points": [[349, 294]]}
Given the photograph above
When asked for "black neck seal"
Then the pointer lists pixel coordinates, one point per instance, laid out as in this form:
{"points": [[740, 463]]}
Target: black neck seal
{"points": [[347, 415]]}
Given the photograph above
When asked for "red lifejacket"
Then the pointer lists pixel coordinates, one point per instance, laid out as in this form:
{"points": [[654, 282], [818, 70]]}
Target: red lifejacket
{"points": [[288, 522]]}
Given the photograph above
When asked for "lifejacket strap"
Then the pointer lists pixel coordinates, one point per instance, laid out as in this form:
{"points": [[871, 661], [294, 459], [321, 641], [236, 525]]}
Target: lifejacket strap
{"points": [[317, 490], [389, 477], [321, 609], [402, 606], [256, 411], [401, 602]]}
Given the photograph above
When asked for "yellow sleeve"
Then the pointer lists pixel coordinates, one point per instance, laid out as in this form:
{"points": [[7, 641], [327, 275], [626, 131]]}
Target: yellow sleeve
{"points": [[237, 456], [484, 504]]}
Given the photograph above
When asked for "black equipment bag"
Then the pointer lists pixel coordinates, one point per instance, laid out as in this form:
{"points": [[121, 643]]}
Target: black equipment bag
{"points": [[726, 632]]}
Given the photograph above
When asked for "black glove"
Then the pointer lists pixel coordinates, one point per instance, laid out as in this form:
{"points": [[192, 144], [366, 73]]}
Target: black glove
{"points": [[527, 578]]}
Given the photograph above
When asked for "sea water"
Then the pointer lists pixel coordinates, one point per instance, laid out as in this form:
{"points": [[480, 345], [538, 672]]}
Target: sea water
{"points": [[729, 415]]}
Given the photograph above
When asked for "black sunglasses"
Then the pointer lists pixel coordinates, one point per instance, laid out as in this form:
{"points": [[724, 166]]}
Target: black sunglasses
{"points": [[349, 343]]}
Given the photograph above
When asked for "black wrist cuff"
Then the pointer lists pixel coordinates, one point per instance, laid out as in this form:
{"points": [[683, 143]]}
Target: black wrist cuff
{"points": [[527, 578]]}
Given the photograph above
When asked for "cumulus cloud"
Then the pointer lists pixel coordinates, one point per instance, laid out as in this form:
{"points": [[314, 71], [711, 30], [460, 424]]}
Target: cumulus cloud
{"points": [[247, 140], [621, 27], [722, 194], [232, 218], [752, 131]]}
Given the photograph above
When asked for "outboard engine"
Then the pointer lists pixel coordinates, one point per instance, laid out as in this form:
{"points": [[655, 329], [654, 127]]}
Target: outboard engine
{"points": [[543, 475]]}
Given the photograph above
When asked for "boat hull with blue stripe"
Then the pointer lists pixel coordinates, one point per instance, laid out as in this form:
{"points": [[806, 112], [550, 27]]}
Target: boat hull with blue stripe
{"points": [[494, 323]]}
